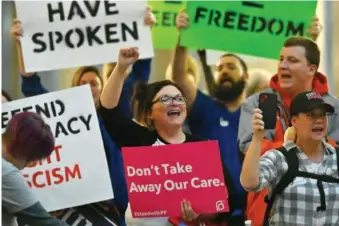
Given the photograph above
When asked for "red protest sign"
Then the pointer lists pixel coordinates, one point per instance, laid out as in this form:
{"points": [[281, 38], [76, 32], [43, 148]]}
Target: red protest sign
{"points": [[160, 177]]}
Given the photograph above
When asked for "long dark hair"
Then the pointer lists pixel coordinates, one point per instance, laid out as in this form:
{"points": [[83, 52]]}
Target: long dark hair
{"points": [[143, 96]]}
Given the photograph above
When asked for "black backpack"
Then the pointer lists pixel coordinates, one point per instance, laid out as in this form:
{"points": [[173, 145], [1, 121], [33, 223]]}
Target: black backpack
{"points": [[291, 174]]}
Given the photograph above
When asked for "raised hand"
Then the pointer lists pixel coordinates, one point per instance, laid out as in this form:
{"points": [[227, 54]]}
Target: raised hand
{"points": [[187, 212], [16, 30], [315, 28], [127, 56], [258, 124], [149, 19], [182, 20]]}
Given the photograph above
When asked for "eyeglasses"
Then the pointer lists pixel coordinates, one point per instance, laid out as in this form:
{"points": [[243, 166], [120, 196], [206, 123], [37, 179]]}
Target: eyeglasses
{"points": [[316, 114], [181, 100]]}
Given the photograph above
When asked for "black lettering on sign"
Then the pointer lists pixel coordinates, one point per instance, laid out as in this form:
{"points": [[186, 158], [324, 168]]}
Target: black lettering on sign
{"points": [[76, 9], [89, 36], [47, 110], [16, 111], [37, 41], [59, 9], [132, 31], [252, 4], [4, 119], [92, 10], [27, 108], [200, 13], [110, 8], [80, 36], [110, 33], [73, 126], [173, 1], [258, 28], [59, 128], [243, 20], [165, 19], [248, 23], [294, 29], [229, 19]]}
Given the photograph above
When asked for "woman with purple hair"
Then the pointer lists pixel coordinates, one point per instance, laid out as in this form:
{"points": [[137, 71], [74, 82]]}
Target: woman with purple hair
{"points": [[26, 139]]}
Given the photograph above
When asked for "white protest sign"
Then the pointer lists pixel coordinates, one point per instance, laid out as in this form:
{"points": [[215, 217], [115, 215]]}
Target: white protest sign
{"points": [[76, 173], [64, 34], [213, 57]]}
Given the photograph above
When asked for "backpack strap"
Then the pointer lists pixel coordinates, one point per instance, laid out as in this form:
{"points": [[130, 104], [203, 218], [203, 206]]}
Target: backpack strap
{"points": [[292, 173], [287, 178], [337, 152]]}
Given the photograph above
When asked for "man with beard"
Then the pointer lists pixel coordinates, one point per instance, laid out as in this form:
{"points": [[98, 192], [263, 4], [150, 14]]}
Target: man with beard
{"points": [[217, 119]]}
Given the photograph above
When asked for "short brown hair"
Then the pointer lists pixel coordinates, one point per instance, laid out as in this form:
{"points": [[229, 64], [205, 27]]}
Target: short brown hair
{"points": [[142, 100], [28, 137], [81, 71], [312, 52]]}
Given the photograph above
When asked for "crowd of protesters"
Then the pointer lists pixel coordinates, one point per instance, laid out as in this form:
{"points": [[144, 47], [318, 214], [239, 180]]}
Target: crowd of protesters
{"points": [[287, 175]]}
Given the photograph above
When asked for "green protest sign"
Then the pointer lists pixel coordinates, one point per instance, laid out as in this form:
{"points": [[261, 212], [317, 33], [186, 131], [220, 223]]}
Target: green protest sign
{"points": [[253, 28], [164, 32]]}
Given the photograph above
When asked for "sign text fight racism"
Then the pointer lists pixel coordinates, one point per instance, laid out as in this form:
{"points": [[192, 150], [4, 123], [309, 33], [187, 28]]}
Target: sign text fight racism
{"points": [[55, 176]]}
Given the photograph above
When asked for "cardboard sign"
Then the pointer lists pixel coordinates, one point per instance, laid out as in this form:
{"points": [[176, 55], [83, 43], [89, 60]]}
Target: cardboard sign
{"points": [[64, 34], [252, 28], [160, 177], [164, 32], [69, 176]]}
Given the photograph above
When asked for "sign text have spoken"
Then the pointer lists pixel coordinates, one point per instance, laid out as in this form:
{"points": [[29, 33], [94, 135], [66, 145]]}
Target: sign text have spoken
{"points": [[84, 36]]}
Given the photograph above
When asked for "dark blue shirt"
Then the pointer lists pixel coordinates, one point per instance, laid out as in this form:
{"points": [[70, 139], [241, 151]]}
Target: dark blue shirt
{"points": [[210, 119]]}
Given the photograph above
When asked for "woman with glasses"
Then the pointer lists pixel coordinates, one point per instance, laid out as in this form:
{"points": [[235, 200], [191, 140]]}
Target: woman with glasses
{"points": [[162, 106], [303, 175]]}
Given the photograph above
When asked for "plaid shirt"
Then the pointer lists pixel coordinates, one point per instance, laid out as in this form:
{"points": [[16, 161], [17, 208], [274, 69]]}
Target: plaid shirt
{"points": [[298, 203]]}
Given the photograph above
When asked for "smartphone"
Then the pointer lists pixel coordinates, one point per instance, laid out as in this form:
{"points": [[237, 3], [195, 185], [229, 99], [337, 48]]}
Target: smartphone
{"points": [[268, 104]]}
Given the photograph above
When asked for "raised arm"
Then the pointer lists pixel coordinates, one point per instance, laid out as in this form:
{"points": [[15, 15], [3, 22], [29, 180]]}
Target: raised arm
{"points": [[179, 67], [112, 90], [260, 172], [208, 74], [141, 71], [122, 129], [17, 33], [31, 84], [245, 131], [315, 28]]}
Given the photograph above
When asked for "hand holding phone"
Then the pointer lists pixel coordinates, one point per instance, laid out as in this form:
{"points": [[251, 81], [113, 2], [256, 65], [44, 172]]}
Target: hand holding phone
{"points": [[268, 104]]}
